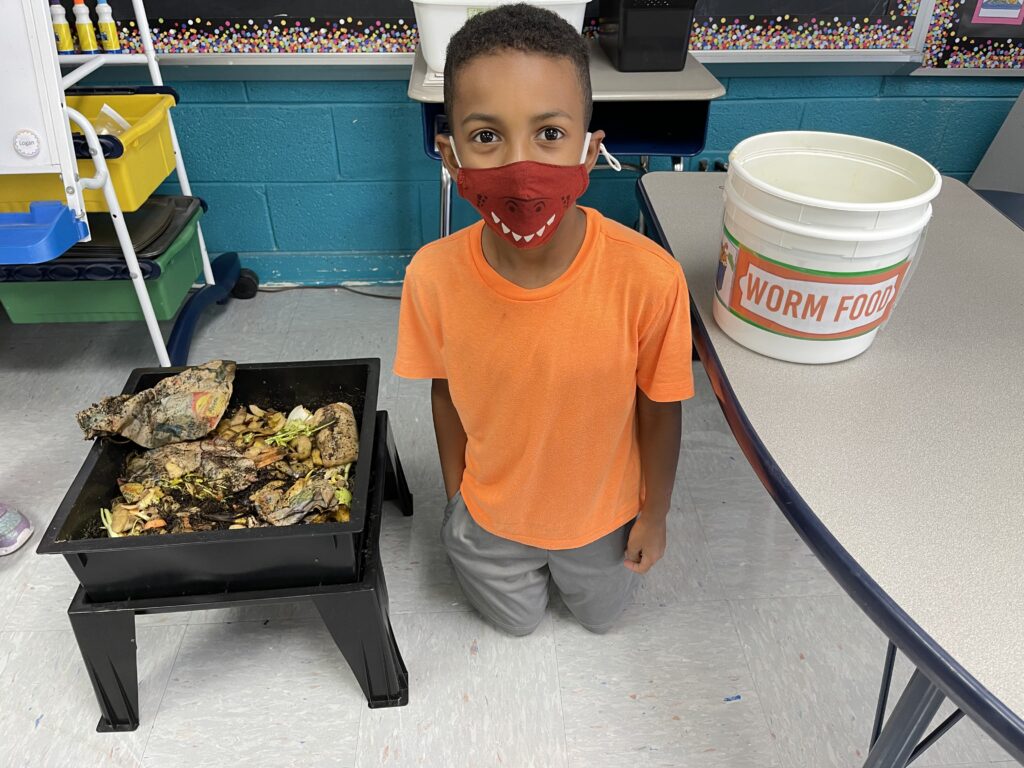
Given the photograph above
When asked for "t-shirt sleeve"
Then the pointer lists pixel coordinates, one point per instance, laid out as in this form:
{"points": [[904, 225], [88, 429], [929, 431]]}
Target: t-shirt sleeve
{"points": [[664, 370], [419, 333]]}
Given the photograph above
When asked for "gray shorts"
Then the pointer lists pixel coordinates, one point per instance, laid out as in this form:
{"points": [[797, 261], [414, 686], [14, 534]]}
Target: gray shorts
{"points": [[507, 582]]}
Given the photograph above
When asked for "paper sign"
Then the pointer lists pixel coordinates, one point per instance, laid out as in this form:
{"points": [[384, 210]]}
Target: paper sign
{"points": [[999, 12], [802, 303]]}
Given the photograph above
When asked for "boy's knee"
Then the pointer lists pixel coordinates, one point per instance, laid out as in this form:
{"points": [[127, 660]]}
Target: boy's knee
{"points": [[518, 631], [598, 629], [517, 618], [518, 615], [598, 613]]}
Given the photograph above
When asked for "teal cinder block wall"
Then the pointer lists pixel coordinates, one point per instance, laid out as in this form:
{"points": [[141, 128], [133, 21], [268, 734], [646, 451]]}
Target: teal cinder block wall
{"points": [[327, 182]]}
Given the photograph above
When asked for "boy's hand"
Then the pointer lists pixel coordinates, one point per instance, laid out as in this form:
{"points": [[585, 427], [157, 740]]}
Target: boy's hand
{"points": [[646, 543]]}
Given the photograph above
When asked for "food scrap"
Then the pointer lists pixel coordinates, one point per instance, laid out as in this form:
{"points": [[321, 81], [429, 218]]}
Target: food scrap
{"points": [[252, 467]]}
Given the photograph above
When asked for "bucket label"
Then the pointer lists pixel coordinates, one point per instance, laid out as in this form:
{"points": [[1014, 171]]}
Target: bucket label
{"points": [[801, 303]]}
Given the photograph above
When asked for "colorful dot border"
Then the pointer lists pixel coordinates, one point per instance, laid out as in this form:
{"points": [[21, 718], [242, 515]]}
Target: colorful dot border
{"points": [[277, 35], [944, 47], [789, 32]]}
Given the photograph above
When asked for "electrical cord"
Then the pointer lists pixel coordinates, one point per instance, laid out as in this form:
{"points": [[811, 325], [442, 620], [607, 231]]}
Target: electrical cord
{"points": [[283, 288]]}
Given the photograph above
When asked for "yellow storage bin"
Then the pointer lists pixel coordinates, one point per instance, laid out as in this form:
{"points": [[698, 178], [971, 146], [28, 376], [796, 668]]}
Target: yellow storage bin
{"points": [[146, 162]]}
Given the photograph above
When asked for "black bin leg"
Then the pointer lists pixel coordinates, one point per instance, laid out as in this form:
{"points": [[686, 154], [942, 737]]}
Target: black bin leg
{"points": [[395, 485], [107, 642], [360, 626]]}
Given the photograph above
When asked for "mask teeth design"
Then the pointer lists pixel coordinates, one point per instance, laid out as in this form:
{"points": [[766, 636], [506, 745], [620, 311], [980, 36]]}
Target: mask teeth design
{"points": [[516, 236]]}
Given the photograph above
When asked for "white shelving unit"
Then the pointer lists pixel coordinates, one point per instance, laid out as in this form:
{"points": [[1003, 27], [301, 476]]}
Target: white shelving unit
{"points": [[35, 133]]}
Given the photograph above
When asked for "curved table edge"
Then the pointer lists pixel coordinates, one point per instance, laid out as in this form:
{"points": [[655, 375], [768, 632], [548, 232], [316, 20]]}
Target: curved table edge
{"points": [[998, 720]]}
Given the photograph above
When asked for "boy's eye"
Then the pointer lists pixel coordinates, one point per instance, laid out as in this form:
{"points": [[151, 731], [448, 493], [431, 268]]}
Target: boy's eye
{"points": [[485, 137], [553, 134]]}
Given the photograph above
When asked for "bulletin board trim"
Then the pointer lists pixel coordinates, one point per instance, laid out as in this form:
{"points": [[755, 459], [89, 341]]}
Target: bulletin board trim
{"points": [[911, 32]]}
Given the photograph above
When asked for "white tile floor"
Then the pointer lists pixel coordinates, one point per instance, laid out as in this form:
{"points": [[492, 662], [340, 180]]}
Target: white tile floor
{"points": [[739, 650]]}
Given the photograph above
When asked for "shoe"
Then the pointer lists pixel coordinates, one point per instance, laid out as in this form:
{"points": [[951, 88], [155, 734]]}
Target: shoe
{"points": [[15, 529]]}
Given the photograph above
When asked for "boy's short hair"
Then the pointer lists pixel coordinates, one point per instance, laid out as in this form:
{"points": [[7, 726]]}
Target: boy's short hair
{"points": [[517, 27]]}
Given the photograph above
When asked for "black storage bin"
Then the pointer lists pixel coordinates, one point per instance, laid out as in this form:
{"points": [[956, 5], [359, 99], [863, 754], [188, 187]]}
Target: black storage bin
{"points": [[152, 228], [139, 567], [646, 35]]}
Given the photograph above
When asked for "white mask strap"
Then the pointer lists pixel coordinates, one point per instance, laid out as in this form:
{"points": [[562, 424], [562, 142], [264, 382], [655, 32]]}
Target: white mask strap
{"points": [[608, 156], [586, 147], [613, 163], [451, 140]]}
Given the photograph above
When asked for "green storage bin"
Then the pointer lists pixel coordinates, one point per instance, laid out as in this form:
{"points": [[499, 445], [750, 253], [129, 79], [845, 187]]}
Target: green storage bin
{"points": [[91, 301]]}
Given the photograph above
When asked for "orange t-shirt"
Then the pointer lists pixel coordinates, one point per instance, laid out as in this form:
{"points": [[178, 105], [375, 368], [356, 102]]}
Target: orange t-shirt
{"points": [[544, 380]]}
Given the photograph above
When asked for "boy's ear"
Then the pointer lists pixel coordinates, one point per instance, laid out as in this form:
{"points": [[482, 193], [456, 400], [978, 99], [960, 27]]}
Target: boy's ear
{"points": [[444, 146], [594, 150]]}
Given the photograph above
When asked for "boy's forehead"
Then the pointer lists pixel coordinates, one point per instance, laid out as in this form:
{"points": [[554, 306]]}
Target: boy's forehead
{"points": [[516, 82]]}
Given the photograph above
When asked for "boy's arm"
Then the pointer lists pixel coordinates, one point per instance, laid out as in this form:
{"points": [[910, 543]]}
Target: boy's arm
{"points": [[660, 427], [451, 437]]}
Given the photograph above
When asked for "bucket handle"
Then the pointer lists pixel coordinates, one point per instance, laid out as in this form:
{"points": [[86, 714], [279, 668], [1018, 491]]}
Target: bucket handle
{"points": [[795, 228]]}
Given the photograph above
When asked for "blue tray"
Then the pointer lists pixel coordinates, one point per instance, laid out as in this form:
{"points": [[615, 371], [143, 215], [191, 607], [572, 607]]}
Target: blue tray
{"points": [[44, 233]]}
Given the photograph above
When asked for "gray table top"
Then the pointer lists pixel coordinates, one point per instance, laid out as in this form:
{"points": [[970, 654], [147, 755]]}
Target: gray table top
{"points": [[693, 83], [911, 455]]}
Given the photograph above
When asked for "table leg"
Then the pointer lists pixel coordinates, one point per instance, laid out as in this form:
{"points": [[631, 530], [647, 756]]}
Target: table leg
{"points": [[107, 642], [641, 222], [883, 693], [907, 724]]}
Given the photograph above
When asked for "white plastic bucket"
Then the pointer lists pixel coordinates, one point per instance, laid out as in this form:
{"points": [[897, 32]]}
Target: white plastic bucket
{"points": [[820, 234], [438, 20]]}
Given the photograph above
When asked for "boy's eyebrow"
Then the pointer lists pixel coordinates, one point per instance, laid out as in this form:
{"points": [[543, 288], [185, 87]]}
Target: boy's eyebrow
{"points": [[479, 117], [550, 115]]}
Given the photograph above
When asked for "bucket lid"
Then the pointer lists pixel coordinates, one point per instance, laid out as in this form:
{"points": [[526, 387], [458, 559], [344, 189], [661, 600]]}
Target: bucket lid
{"points": [[842, 145], [827, 233]]}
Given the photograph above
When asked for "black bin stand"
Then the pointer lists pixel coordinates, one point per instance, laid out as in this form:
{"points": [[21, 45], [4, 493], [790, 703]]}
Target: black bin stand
{"points": [[356, 614]]}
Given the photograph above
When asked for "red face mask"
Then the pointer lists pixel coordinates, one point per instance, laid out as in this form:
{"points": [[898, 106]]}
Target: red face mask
{"points": [[524, 202]]}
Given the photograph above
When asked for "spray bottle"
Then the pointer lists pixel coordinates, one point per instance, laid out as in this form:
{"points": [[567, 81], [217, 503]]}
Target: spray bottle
{"points": [[61, 29], [83, 27], [109, 40]]}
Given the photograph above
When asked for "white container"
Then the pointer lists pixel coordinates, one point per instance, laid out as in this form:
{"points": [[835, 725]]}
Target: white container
{"points": [[83, 28], [110, 40], [61, 29], [438, 20], [821, 233]]}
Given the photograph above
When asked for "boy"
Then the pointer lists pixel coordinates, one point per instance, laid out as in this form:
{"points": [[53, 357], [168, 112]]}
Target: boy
{"points": [[558, 342]]}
